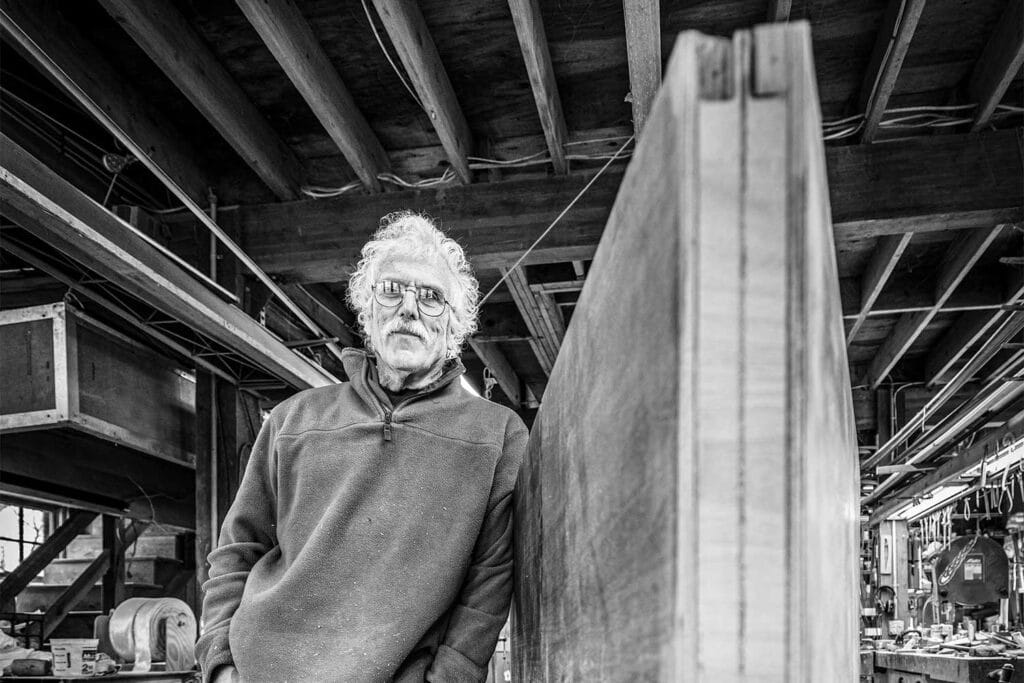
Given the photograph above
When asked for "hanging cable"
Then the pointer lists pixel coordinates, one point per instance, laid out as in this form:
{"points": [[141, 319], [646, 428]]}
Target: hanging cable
{"points": [[557, 218]]}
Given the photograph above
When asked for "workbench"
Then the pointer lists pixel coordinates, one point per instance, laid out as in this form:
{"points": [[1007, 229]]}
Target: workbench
{"points": [[912, 667]]}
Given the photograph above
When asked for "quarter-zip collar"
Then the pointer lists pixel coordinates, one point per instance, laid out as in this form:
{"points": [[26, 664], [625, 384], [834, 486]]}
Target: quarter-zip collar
{"points": [[361, 369]]}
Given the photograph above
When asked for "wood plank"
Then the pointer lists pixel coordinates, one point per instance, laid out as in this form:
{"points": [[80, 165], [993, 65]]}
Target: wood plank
{"points": [[722, 537], [49, 207], [290, 39], [883, 261], [643, 53], [77, 522], [950, 470], [960, 258], [415, 47], [76, 56], [929, 183], [534, 45], [177, 48], [495, 360], [999, 64], [778, 10], [894, 35]]}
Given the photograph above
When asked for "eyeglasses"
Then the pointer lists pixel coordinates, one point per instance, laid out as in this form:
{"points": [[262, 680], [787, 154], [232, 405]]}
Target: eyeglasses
{"points": [[390, 293]]}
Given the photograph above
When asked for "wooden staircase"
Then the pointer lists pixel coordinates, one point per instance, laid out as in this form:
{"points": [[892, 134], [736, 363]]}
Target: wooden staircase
{"points": [[157, 564]]}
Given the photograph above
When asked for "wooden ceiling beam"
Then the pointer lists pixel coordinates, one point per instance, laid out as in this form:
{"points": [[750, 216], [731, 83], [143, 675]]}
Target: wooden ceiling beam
{"points": [[290, 39], [49, 207], [979, 292], [176, 47], [492, 357], [412, 40], [961, 256], [643, 51], [999, 64], [883, 261], [935, 183], [970, 328], [778, 10], [543, 324], [72, 52], [894, 35], [534, 45]]}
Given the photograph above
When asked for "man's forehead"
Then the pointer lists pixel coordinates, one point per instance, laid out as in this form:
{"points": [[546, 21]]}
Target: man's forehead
{"points": [[426, 270]]}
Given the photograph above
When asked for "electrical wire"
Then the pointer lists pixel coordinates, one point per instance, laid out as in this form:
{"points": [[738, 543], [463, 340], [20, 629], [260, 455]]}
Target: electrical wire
{"points": [[555, 222], [376, 35]]}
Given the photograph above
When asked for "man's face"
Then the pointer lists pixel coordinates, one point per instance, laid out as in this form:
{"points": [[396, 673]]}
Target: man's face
{"points": [[403, 337]]}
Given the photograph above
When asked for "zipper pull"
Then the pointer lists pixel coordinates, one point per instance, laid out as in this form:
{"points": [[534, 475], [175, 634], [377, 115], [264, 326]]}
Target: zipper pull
{"points": [[387, 425]]}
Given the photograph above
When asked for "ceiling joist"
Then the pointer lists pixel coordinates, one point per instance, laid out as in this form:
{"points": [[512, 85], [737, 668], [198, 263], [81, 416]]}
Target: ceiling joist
{"points": [[534, 45], [164, 34], [883, 261], [969, 329], [290, 39], [894, 35], [963, 253], [542, 318], [778, 10], [999, 64], [43, 25], [415, 46], [643, 51]]}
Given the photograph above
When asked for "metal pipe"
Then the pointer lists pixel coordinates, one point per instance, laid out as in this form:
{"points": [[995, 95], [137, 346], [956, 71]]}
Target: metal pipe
{"points": [[83, 98]]}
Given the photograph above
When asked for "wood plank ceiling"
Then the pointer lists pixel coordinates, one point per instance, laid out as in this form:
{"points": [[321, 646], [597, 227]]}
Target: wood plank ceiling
{"points": [[307, 121]]}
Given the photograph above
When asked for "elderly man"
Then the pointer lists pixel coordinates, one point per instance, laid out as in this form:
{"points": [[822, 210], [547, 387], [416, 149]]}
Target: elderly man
{"points": [[370, 539]]}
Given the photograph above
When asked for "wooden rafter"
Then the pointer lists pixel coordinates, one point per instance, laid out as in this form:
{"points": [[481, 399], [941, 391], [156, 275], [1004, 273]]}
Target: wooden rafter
{"points": [[540, 319], [175, 46], [71, 51], [558, 287], [984, 293], [999, 63], [894, 35], [970, 328], [778, 10], [643, 50], [534, 45], [41, 202], [960, 258], [290, 39], [491, 356], [412, 40], [942, 182], [883, 261]]}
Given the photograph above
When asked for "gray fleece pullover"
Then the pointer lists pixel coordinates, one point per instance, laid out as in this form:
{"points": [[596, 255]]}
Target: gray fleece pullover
{"points": [[368, 542]]}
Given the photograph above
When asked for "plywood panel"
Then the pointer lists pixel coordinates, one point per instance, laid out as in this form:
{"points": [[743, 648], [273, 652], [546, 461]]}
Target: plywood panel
{"points": [[688, 504], [26, 356]]}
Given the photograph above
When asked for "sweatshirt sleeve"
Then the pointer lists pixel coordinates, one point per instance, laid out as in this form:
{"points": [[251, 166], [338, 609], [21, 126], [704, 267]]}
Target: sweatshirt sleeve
{"points": [[483, 603], [248, 533]]}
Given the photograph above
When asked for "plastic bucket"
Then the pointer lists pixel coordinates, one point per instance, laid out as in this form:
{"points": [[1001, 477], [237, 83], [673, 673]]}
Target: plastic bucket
{"points": [[74, 656]]}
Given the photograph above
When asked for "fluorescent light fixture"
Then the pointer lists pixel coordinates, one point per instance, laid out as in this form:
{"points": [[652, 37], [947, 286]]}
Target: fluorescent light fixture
{"points": [[469, 387], [930, 502]]}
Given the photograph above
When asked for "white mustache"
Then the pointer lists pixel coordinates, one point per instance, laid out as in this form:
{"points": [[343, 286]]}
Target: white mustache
{"points": [[408, 329]]}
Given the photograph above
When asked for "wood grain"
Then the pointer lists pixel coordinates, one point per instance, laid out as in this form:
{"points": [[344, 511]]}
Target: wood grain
{"points": [[690, 487]]}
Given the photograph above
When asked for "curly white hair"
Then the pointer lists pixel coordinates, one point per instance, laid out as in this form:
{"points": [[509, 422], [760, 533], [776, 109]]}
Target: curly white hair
{"points": [[406, 234]]}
